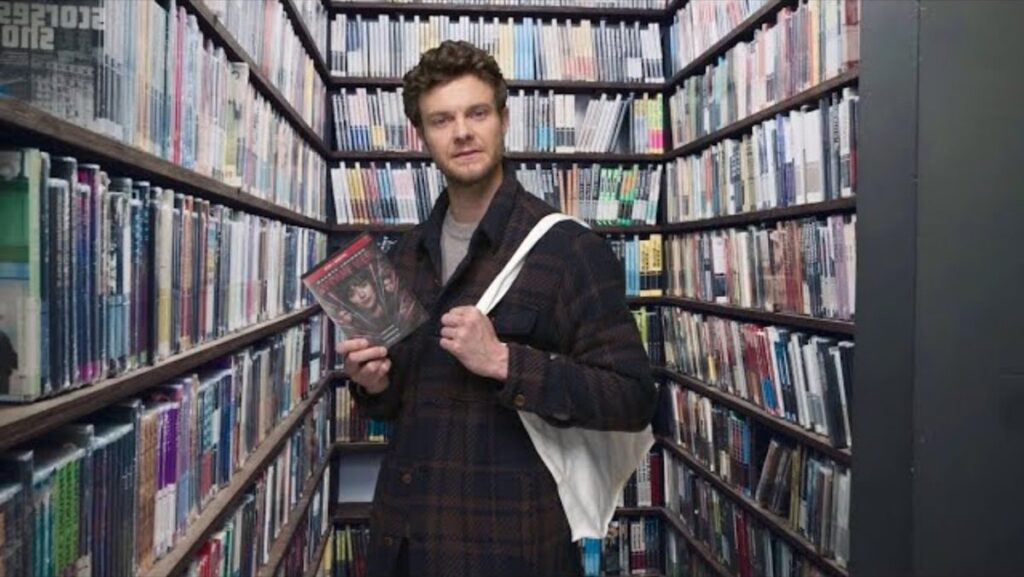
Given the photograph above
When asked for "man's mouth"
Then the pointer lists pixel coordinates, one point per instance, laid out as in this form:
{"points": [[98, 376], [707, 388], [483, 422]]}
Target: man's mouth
{"points": [[466, 154]]}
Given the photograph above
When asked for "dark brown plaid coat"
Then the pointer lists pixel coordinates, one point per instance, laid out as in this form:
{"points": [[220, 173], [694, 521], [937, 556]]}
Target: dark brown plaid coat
{"points": [[462, 486]]}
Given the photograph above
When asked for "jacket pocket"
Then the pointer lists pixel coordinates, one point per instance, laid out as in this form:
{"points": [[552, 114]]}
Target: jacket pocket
{"points": [[514, 322]]}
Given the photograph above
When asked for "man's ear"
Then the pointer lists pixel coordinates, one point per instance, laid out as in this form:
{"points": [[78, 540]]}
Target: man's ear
{"points": [[504, 121]]}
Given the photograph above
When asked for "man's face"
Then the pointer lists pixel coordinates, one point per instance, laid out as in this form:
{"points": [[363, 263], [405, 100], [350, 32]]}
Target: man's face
{"points": [[463, 130]]}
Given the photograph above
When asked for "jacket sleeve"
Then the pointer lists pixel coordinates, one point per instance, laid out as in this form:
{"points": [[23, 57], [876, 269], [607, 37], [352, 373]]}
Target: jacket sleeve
{"points": [[603, 379]]}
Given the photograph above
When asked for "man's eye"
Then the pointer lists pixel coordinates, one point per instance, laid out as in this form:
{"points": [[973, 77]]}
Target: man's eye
{"points": [[438, 122], [479, 113]]}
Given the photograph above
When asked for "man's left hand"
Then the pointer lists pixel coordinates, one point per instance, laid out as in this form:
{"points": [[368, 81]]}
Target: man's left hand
{"points": [[469, 336]]}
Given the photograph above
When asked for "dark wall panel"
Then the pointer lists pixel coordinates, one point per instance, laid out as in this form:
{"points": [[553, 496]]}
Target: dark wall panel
{"points": [[886, 206], [969, 387]]}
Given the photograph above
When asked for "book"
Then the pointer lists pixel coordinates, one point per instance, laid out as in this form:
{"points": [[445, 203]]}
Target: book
{"points": [[360, 290]]}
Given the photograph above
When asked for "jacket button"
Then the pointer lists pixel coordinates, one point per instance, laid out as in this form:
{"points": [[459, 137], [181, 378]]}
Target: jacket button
{"points": [[388, 541], [519, 400], [407, 478]]}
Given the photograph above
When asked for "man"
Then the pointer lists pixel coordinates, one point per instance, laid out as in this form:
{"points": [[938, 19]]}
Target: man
{"points": [[462, 491]]}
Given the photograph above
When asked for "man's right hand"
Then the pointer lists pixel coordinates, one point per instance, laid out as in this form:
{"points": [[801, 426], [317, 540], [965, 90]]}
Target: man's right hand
{"points": [[367, 366]]}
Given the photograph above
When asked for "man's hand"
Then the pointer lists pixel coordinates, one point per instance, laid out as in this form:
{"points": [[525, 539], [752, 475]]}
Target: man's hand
{"points": [[469, 336], [368, 366]]}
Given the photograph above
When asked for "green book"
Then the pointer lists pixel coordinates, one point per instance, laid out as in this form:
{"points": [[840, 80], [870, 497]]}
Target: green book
{"points": [[21, 187]]}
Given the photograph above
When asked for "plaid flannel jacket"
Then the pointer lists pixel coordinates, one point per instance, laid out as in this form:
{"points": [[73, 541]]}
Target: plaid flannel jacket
{"points": [[461, 485]]}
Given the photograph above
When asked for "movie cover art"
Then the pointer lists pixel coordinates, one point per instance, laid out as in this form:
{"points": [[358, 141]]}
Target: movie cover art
{"points": [[360, 290]]}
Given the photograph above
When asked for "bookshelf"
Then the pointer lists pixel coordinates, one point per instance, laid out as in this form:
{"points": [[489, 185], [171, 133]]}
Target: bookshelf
{"points": [[809, 96], [214, 515], [214, 29], [314, 567], [744, 31], [561, 86], [307, 39], [361, 447], [500, 11], [774, 522], [19, 423], [26, 124], [296, 521], [794, 431], [838, 205], [813, 324], [583, 157], [350, 512]]}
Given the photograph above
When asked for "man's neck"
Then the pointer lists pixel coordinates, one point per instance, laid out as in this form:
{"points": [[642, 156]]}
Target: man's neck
{"points": [[468, 203]]}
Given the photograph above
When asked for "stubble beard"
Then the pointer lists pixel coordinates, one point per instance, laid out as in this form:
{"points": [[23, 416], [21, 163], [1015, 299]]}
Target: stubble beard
{"points": [[482, 176]]}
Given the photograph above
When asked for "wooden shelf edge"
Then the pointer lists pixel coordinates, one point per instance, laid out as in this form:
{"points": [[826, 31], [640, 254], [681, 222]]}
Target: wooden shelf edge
{"points": [[702, 550], [19, 423], [218, 510], [350, 512], [221, 35], [809, 96], [818, 442], [774, 522], [746, 27], [847, 204], [50, 132], [811, 324], [575, 12], [296, 520], [378, 228], [311, 571], [592, 157], [570, 86], [359, 447], [308, 41]]}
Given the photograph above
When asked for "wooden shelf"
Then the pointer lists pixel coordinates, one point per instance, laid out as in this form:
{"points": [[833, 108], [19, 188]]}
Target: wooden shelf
{"points": [[774, 522], [26, 124], [562, 86], [359, 447], [318, 559], [587, 157], [397, 228], [820, 443], [222, 36], [381, 228], [848, 204], [702, 550], [744, 31], [350, 512], [841, 328], [627, 229], [478, 10], [220, 509], [809, 96], [307, 39], [296, 520], [22, 422]]}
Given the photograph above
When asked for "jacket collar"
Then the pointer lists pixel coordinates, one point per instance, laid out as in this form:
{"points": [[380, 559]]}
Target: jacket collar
{"points": [[492, 227]]}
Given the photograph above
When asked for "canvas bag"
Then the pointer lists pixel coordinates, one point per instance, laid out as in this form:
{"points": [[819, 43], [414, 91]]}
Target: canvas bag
{"points": [[590, 467]]}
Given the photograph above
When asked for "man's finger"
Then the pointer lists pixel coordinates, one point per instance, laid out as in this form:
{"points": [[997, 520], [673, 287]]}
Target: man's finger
{"points": [[450, 332], [363, 355], [349, 345]]}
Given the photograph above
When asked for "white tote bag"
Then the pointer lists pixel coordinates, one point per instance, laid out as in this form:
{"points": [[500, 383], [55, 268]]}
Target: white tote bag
{"points": [[590, 467]]}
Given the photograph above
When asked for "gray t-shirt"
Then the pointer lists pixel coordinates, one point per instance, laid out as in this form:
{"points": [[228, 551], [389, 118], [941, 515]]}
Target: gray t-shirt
{"points": [[454, 244]]}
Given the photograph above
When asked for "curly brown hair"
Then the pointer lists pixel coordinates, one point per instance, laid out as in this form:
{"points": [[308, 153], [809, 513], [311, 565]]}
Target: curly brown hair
{"points": [[450, 60]]}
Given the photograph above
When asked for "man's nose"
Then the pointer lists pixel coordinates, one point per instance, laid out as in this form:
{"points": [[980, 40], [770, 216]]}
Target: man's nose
{"points": [[462, 129]]}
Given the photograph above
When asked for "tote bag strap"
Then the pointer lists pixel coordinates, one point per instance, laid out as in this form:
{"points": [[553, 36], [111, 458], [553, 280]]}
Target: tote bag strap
{"points": [[501, 283]]}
